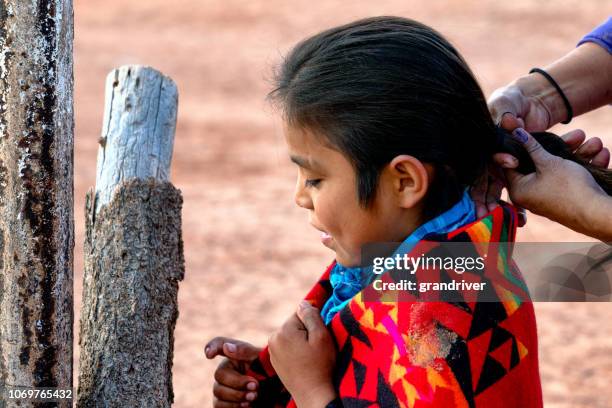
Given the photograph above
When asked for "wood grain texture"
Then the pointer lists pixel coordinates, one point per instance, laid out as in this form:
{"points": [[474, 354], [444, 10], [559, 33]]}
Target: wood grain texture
{"points": [[138, 129], [36, 194]]}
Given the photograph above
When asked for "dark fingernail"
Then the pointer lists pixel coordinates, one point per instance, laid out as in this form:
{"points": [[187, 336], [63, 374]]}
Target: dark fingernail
{"points": [[251, 396], [251, 386], [501, 118], [206, 350], [520, 135]]}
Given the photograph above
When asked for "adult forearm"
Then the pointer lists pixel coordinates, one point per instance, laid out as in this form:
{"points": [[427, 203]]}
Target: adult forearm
{"points": [[596, 217], [584, 75]]}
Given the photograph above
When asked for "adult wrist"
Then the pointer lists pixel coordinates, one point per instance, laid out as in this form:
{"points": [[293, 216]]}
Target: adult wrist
{"points": [[596, 218]]}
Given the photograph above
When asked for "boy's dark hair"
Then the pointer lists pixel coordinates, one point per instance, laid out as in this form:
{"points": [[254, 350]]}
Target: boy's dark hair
{"points": [[384, 86]]}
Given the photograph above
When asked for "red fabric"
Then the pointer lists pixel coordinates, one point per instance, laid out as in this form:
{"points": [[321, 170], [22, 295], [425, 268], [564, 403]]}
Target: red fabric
{"points": [[434, 354]]}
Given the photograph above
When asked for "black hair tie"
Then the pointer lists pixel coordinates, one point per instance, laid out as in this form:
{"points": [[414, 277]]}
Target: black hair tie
{"points": [[568, 107]]}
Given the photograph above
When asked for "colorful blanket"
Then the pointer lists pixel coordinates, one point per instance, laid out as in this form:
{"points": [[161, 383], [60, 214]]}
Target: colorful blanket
{"points": [[434, 354]]}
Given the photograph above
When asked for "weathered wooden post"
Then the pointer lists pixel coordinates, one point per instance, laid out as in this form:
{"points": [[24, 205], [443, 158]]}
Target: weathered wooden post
{"points": [[133, 248], [36, 195]]}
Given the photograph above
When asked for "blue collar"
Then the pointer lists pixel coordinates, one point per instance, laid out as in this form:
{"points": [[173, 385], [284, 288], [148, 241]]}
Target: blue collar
{"points": [[347, 282]]}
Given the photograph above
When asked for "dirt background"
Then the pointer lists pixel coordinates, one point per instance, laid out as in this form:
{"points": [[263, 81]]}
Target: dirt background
{"points": [[249, 250]]}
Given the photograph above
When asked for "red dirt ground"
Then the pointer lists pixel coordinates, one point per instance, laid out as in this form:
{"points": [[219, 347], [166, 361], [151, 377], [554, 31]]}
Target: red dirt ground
{"points": [[242, 231]]}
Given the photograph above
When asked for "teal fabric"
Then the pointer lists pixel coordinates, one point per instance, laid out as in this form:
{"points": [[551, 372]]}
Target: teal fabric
{"points": [[347, 282]]}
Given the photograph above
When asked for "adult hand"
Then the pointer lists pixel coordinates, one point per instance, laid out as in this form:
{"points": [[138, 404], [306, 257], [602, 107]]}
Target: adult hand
{"points": [[511, 108], [487, 193], [532, 102], [559, 189], [303, 355], [232, 388], [591, 150]]}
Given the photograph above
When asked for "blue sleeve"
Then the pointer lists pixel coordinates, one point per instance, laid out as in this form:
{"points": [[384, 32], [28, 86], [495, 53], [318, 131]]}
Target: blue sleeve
{"points": [[601, 35]]}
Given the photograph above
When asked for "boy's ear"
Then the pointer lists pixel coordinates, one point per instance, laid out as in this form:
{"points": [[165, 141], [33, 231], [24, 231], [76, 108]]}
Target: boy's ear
{"points": [[409, 179]]}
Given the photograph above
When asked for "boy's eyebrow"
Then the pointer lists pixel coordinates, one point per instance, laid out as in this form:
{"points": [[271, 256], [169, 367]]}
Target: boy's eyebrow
{"points": [[302, 162]]}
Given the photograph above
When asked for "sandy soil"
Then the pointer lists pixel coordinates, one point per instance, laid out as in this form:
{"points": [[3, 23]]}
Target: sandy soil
{"points": [[250, 253]]}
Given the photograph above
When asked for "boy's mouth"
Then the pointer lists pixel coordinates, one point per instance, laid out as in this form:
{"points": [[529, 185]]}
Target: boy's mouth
{"points": [[326, 237]]}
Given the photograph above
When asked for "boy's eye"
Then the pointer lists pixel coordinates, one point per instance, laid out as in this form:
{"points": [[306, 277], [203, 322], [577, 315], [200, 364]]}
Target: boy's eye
{"points": [[312, 182]]}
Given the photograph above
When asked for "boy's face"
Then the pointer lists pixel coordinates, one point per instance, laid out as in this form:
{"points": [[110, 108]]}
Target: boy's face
{"points": [[326, 187]]}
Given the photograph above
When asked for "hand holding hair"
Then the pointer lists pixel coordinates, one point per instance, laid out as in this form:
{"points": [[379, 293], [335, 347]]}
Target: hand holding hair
{"points": [[537, 151], [572, 85], [571, 146], [552, 181]]}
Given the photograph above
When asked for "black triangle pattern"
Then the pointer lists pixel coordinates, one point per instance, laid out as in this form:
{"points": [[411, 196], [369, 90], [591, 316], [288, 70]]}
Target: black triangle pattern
{"points": [[458, 360], [352, 326], [357, 403], [498, 337], [463, 306], [384, 395], [514, 356], [343, 360], [487, 315], [360, 373], [492, 371]]}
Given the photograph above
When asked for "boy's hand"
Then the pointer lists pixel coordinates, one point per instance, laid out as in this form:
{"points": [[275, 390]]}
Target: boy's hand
{"points": [[303, 354], [232, 388]]}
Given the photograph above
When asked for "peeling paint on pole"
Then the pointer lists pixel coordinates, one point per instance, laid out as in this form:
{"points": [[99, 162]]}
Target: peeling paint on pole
{"points": [[133, 248], [36, 192]]}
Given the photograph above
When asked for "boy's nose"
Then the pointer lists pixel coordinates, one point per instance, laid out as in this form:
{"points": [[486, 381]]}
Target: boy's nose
{"points": [[301, 197]]}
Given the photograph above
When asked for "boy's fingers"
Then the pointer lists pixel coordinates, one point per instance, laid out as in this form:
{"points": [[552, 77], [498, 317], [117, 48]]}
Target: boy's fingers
{"points": [[478, 193], [310, 317], [215, 347], [226, 374], [481, 194], [236, 349], [224, 393], [239, 350]]}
